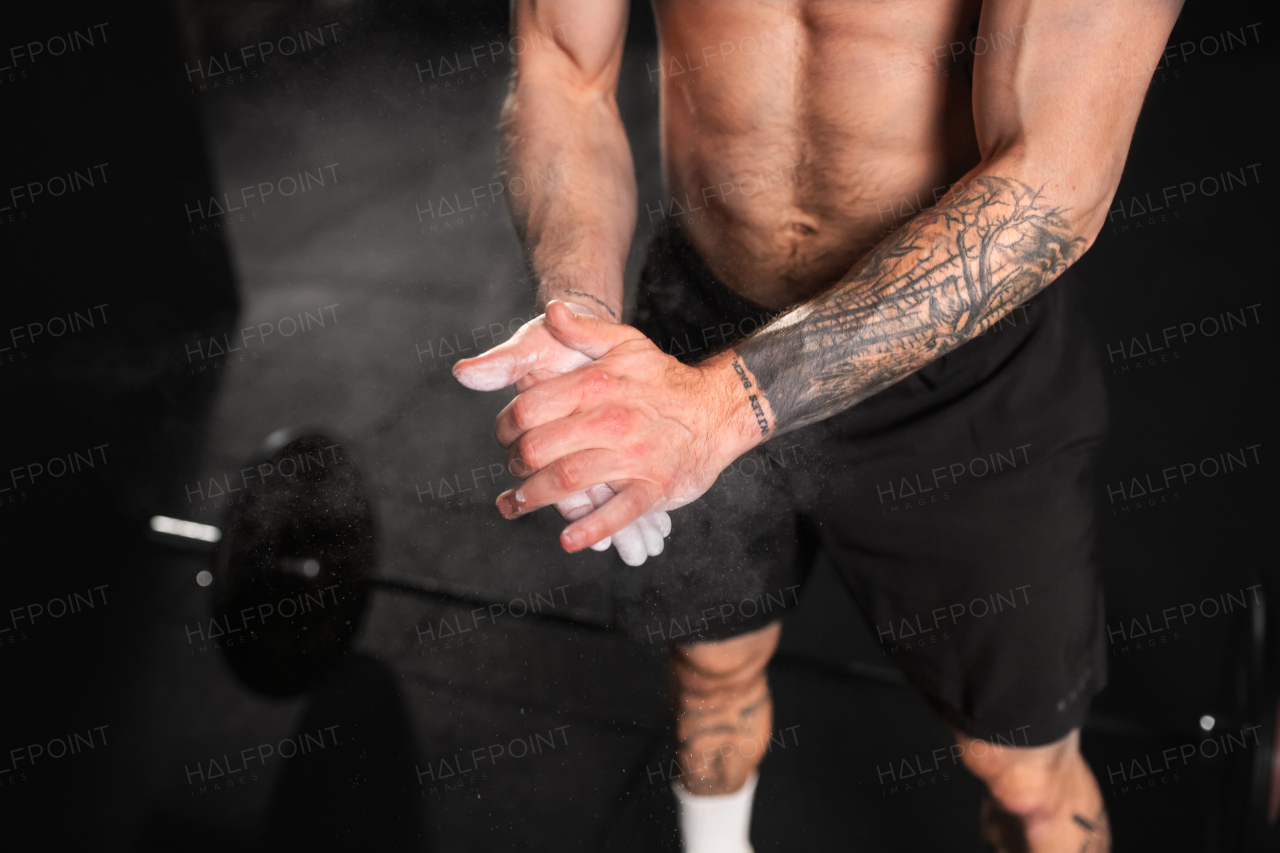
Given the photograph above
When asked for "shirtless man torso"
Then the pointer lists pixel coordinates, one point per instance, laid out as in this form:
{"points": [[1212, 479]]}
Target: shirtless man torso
{"points": [[837, 110], [874, 185]]}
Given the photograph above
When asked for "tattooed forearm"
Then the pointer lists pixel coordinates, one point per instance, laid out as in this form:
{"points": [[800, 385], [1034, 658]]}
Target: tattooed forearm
{"points": [[937, 282]]}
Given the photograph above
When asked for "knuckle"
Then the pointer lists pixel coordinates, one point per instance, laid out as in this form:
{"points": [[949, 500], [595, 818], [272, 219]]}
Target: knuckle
{"points": [[597, 381], [565, 475], [635, 501], [527, 453], [515, 465], [656, 479], [521, 412], [616, 419], [529, 329]]}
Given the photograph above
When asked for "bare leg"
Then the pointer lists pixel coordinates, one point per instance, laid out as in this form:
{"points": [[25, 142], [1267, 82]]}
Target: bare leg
{"points": [[1043, 799], [723, 718], [723, 709]]}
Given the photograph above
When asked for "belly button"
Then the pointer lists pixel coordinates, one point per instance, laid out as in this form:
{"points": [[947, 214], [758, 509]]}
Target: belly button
{"points": [[802, 229]]}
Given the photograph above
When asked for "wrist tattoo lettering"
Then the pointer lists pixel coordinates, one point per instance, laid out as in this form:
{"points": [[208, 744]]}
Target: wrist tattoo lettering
{"points": [[594, 299], [754, 400]]}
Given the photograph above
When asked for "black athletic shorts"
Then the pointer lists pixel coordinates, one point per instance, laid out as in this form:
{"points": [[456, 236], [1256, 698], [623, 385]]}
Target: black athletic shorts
{"points": [[956, 505]]}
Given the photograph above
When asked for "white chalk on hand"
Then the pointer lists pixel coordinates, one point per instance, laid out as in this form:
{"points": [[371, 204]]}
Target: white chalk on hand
{"points": [[635, 543]]}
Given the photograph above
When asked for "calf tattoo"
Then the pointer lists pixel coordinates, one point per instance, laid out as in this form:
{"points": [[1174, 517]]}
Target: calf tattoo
{"points": [[708, 724], [1097, 830], [937, 282]]}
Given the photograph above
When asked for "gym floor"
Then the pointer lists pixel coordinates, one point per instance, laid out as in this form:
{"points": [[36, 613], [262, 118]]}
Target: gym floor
{"points": [[858, 760]]}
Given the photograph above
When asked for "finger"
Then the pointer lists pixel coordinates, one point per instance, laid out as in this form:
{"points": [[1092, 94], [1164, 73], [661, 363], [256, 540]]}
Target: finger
{"points": [[630, 544], [551, 364], [587, 333], [541, 374], [599, 495], [548, 400], [578, 505], [633, 501], [662, 520], [555, 482], [499, 367], [575, 506], [649, 530], [533, 352], [530, 410], [542, 446]]}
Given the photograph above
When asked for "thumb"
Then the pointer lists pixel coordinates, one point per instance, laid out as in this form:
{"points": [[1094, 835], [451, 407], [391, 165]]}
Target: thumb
{"points": [[499, 367], [585, 332]]}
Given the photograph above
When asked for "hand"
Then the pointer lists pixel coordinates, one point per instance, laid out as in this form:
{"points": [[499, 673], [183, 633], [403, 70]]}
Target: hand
{"points": [[657, 431], [532, 355], [639, 540]]}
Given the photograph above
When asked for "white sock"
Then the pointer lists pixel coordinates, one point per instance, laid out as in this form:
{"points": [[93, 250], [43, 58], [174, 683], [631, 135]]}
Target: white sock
{"points": [[719, 823]]}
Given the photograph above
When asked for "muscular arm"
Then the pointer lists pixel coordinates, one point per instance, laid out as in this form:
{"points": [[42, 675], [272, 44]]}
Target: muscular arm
{"points": [[565, 140], [564, 136], [1054, 112], [938, 281], [1054, 122]]}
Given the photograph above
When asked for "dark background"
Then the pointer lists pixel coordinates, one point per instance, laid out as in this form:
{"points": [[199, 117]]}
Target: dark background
{"points": [[378, 377]]}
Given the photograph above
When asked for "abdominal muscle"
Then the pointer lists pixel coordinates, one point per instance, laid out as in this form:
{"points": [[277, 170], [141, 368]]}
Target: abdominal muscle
{"points": [[795, 135]]}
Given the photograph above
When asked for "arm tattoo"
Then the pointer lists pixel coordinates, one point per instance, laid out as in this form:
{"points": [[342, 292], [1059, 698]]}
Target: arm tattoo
{"points": [[597, 300], [940, 280], [755, 401]]}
